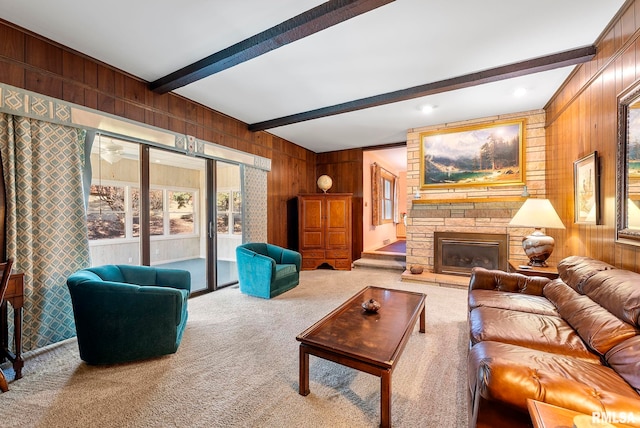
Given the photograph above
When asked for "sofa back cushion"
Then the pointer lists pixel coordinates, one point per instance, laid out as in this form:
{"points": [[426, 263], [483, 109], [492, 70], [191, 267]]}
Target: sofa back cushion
{"points": [[256, 247], [139, 275], [108, 273], [486, 279], [599, 328], [624, 358], [575, 270], [618, 291]]}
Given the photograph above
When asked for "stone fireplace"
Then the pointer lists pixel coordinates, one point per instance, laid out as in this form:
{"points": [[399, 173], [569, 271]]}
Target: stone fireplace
{"points": [[456, 253], [474, 208]]}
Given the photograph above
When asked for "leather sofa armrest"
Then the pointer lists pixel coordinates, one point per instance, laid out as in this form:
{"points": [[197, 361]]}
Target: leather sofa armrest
{"points": [[522, 382], [513, 282]]}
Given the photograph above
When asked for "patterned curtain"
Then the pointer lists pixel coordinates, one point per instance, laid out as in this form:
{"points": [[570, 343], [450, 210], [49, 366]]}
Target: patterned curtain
{"points": [[254, 226], [376, 180], [46, 226]]}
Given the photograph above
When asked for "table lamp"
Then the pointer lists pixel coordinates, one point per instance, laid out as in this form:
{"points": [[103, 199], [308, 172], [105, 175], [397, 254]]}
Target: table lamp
{"points": [[537, 213]]}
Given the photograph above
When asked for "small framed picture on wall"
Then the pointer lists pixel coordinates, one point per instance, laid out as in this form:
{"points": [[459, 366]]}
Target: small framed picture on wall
{"points": [[586, 187]]}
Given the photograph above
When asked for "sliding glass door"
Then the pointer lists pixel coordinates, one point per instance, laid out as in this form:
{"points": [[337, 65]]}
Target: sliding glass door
{"points": [[149, 206], [178, 214]]}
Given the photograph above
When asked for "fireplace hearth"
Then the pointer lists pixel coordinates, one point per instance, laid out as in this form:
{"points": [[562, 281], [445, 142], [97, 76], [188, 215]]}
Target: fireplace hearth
{"points": [[456, 253]]}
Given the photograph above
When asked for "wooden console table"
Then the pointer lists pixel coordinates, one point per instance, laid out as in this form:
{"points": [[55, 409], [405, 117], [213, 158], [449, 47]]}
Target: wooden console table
{"points": [[15, 296]]}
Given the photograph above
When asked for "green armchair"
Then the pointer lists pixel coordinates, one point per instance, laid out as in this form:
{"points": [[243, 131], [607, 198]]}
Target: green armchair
{"points": [[266, 270], [126, 313]]}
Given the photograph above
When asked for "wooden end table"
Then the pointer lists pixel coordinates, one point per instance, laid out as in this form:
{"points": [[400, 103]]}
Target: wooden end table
{"points": [[544, 415], [369, 342], [518, 266]]}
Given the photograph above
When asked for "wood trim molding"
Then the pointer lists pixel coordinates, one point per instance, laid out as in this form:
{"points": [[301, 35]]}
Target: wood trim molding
{"points": [[468, 200]]}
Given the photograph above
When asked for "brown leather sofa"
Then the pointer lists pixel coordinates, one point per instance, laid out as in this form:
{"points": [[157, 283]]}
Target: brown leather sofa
{"points": [[573, 342]]}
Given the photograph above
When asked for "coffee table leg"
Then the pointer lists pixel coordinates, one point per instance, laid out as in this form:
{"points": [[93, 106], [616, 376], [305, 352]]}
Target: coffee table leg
{"points": [[304, 371], [385, 399], [423, 322]]}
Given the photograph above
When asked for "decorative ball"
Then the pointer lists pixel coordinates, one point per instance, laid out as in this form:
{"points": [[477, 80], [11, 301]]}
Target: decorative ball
{"points": [[416, 270], [324, 183], [371, 305]]}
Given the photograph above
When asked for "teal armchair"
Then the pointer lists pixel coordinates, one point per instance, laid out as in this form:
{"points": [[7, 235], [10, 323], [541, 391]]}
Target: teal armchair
{"points": [[266, 270], [126, 313]]}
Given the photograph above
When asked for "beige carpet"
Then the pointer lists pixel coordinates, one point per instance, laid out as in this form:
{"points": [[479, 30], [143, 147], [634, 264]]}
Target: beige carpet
{"points": [[237, 366]]}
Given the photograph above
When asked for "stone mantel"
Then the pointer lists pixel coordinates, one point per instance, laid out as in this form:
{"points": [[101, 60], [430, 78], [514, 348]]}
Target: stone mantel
{"points": [[465, 201]]}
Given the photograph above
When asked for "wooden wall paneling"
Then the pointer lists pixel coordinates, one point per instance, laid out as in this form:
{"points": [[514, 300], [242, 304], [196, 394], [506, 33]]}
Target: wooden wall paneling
{"points": [[43, 55], [33, 63], [581, 118]]}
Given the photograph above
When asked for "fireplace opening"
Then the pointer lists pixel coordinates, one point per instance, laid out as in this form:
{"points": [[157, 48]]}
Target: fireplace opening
{"points": [[456, 253]]}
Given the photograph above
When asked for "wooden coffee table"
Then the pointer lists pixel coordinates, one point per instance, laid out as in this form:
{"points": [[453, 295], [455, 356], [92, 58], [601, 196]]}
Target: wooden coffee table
{"points": [[369, 342]]}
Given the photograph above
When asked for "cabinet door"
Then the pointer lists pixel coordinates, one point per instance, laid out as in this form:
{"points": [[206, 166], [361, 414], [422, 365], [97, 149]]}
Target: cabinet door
{"points": [[338, 222], [311, 227]]}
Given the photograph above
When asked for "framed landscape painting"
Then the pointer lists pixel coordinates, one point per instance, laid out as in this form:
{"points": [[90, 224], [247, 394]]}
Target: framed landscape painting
{"points": [[482, 155]]}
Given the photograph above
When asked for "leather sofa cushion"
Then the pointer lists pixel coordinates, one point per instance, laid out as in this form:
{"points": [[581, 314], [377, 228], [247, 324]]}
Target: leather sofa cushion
{"points": [[534, 331], [575, 270], [514, 301], [598, 327], [485, 279], [511, 374], [618, 291], [623, 358]]}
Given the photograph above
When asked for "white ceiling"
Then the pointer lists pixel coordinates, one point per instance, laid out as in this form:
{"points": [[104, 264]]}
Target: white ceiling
{"points": [[396, 46]]}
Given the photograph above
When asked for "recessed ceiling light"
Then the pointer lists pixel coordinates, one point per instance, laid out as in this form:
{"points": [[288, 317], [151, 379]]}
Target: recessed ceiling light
{"points": [[427, 109], [520, 92]]}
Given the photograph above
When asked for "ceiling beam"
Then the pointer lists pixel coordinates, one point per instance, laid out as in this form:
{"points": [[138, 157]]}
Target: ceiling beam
{"points": [[312, 21], [545, 63]]}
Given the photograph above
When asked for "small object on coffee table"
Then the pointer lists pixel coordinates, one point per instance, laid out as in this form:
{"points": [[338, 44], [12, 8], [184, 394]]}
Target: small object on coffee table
{"points": [[371, 305]]}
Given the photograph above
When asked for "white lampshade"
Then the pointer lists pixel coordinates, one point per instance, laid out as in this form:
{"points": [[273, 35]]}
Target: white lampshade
{"points": [[537, 213]]}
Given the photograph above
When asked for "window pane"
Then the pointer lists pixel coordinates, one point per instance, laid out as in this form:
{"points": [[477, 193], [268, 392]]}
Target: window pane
{"points": [[156, 221], [223, 201], [237, 202], [181, 213], [180, 223], [388, 210], [135, 211], [237, 224], [105, 226], [222, 222], [105, 216]]}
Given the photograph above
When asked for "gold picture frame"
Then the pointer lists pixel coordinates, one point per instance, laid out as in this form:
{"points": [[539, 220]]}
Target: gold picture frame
{"points": [[481, 155]]}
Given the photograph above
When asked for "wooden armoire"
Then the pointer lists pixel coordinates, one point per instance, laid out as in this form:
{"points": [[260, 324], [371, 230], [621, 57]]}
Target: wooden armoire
{"points": [[325, 230]]}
